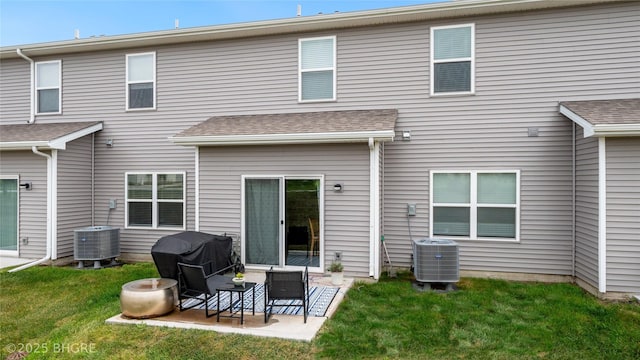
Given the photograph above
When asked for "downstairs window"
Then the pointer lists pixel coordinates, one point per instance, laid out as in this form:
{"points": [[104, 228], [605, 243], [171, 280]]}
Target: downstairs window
{"points": [[155, 200], [475, 204]]}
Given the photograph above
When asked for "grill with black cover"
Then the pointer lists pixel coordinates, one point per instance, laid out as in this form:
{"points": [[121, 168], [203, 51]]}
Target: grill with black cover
{"points": [[196, 248]]}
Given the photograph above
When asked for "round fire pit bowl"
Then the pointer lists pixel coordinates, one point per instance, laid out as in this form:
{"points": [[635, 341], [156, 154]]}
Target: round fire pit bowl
{"points": [[147, 298]]}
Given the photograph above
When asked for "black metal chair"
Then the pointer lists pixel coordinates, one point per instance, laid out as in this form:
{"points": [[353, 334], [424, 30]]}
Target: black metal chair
{"points": [[197, 280], [286, 285]]}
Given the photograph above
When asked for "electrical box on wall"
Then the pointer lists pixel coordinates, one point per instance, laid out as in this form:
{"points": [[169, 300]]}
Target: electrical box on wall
{"points": [[113, 203], [411, 209]]}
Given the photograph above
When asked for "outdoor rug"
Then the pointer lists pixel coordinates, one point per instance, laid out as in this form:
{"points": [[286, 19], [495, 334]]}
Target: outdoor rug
{"points": [[320, 297]]}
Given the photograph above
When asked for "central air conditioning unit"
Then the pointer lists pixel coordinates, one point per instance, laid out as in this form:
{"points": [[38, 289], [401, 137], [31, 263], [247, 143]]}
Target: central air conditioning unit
{"points": [[436, 261], [96, 243]]}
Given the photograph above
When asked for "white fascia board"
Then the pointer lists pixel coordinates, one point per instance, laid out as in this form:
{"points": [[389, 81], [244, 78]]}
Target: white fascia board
{"points": [[273, 139], [584, 124], [617, 130], [23, 145], [601, 130], [61, 142]]}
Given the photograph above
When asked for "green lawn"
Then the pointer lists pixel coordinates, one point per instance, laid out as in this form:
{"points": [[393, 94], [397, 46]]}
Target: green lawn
{"points": [[60, 313]]}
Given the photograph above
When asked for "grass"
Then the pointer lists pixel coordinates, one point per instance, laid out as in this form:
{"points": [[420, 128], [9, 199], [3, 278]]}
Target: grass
{"points": [[60, 313]]}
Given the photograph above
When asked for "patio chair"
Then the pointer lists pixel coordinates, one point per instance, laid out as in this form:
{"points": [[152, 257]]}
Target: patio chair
{"points": [[314, 227], [286, 285], [194, 281]]}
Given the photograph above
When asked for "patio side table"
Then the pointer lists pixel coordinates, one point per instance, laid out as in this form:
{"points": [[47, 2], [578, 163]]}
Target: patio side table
{"points": [[240, 290]]}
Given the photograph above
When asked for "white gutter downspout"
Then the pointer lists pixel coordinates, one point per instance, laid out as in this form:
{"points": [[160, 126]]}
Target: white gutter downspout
{"points": [[197, 187], [32, 116], [602, 215], [374, 208], [573, 201], [49, 208]]}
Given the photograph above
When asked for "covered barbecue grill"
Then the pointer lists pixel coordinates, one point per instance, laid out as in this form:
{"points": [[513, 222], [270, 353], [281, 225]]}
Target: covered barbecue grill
{"points": [[196, 248]]}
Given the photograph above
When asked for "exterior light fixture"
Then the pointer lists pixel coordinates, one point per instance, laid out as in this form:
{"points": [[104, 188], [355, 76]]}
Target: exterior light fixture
{"points": [[406, 135], [338, 187]]}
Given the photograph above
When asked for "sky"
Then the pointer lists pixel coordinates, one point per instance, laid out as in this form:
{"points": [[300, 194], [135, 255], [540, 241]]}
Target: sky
{"points": [[37, 21]]}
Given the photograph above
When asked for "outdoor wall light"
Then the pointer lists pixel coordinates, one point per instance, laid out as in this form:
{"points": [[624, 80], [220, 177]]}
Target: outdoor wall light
{"points": [[27, 185], [406, 135], [338, 187]]}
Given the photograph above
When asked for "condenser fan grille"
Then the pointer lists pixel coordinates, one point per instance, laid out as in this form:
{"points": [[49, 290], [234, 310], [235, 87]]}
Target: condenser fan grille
{"points": [[96, 243], [436, 260]]}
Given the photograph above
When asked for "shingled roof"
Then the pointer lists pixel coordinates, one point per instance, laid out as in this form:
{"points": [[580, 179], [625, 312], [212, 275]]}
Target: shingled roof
{"points": [[308, 127], [45, 135], [620, 117]]}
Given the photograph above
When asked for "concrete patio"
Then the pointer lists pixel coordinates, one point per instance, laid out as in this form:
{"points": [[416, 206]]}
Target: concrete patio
{"points": [[279, 326]]}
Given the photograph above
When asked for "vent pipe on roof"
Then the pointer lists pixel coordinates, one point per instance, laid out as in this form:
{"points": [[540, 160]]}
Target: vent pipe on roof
{"points": [[299, 10], [32, 116]]}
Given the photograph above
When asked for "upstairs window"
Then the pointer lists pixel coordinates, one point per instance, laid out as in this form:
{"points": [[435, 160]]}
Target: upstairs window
{"points": [[317, 65], [155, 200], [452, 59], [48, 87], [141, 81], [475, 204]]}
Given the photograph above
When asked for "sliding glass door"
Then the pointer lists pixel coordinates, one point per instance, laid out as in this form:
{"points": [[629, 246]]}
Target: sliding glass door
{"points": [[8, 215], [262, 221], [282, 224]]}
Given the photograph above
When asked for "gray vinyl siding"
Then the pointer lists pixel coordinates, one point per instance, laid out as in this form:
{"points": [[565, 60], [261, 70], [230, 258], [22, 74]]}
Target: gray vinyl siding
{"points": [[586, 231], [33, 203], [346, 214], [525, 64], [14, 91], [74, 192], [623, 214]]}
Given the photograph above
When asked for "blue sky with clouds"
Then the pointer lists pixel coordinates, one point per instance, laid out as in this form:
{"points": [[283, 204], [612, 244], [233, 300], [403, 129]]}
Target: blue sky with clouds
{"points": [[35, 21]]}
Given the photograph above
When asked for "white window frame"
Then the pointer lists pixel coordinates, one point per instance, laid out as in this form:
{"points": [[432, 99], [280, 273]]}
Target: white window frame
{"points": [[154, 200], [37, 88], [472, 59], [127, 82], [333, 69], [473, 204]]}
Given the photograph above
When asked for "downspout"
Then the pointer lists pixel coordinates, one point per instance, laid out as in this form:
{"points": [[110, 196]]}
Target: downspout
{"points": [[49, 208], [32, 116], [197, 187], [374, 209], [602, 215], [93, 180], [573, 204]]}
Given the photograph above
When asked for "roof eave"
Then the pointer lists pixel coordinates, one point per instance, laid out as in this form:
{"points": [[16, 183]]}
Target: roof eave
{"points": [[284, 139], [290, 25], [59, 143], [604, 130], [600, 130], [586, 126], [25, 145]]}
